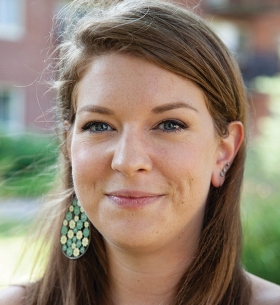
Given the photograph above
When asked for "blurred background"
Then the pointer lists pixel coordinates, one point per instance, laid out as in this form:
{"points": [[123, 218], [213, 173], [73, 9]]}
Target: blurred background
{"points": [[28, 149]]}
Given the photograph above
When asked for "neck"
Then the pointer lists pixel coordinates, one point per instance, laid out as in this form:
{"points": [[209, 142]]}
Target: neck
{"points": [[149, 278]]}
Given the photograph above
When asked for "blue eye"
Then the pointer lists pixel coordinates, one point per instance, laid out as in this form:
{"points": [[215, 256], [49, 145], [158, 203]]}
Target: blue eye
{"points": [[171, 126], [97, 127]]}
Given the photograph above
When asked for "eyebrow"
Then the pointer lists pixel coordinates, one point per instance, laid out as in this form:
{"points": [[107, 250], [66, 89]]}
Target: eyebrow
{"points": [[156, 110], [96, 109], [172, 106]]}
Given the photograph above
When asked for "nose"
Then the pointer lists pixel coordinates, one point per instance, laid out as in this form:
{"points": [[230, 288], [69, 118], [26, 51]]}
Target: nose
{"points": [[130, 155]]}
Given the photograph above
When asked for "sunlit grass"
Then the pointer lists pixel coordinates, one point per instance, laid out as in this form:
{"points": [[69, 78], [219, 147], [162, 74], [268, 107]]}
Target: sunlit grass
{"points": [[12, 235], [11, 249], [18, 253]]}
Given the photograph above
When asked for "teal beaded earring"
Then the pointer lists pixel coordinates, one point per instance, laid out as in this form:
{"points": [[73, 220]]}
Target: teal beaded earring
{"points": [[75, 232]]}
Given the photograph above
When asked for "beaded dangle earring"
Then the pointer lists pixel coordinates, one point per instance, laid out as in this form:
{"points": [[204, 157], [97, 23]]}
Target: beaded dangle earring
{"points": [[75, 231]]}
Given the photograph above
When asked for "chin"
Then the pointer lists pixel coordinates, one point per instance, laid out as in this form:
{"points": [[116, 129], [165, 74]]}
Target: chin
{"points": [[133, 245], [132, 241]]}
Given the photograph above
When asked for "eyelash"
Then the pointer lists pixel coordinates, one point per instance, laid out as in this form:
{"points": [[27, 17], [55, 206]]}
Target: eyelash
{"points": [[180, 126], [94, 124]]}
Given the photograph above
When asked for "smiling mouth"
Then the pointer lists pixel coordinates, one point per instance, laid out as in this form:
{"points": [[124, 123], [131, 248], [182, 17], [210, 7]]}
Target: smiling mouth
{"points": [[132, 199]]}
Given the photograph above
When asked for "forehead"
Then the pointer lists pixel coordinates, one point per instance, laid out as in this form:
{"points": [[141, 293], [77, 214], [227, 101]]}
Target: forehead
{"points": [[127, 78]]}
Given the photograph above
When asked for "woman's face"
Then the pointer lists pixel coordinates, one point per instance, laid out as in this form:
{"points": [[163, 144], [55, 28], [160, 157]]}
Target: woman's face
{"points": [[143, 150]]}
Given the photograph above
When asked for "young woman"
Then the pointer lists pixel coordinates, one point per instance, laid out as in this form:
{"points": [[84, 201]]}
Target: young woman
{"points": [[151, 112]]}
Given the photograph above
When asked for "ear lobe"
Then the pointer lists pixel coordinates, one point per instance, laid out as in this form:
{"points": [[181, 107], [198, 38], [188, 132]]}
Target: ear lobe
{"points": [[227, 151]]}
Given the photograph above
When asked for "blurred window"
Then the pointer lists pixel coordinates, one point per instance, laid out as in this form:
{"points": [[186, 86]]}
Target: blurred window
{"points": [[4, 105], [228, 32], [11, 109], [12, 15]]}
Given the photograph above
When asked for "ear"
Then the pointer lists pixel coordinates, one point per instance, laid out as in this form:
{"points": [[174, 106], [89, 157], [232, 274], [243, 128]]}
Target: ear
{"points": [[226, 152]]}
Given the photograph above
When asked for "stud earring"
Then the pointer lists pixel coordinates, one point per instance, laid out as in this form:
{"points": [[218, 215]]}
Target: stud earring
{"points": [[224, 170], [75, 231]]}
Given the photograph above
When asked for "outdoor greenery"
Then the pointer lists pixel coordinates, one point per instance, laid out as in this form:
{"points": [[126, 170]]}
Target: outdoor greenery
{"points": [[261, 196], [26, 170], [26, 164]]}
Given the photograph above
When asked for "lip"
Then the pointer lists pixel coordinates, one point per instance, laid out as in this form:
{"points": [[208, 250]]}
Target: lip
{"points": [[132, 198]]}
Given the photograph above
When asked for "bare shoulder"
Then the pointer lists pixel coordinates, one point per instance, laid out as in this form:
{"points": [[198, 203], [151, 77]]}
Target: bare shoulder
{"points": [[264, 292], [13, 295]]}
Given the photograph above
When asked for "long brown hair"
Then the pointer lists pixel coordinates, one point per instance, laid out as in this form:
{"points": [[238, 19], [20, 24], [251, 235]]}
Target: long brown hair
{"points": [[181, 42]]}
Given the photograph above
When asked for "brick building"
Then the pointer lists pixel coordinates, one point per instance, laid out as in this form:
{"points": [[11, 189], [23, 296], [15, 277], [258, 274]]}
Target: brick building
{"points": [[24, 30], [251, 29]]}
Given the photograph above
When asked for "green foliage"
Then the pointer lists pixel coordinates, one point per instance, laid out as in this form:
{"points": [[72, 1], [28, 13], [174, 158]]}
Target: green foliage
{"points": [[261, 254], [26, 164], [11, 227], [261, 196]]}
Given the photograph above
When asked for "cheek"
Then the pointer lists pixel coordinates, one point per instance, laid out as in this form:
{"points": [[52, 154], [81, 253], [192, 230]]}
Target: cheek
{"points": [[88, 172], [88, 166], [190, 170]]}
